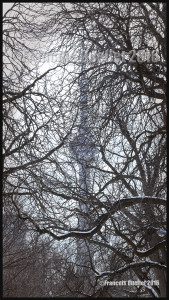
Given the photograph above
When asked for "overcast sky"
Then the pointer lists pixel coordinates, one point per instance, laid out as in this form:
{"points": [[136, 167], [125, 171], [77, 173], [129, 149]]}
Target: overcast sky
{"points": [[6, 6]]}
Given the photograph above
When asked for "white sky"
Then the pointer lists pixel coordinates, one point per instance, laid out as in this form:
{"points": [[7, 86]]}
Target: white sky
{"points": [[7, 6]]}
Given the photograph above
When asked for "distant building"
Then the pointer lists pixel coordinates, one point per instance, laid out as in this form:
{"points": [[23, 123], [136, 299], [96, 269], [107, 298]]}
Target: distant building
{"points": [[83, 151]]}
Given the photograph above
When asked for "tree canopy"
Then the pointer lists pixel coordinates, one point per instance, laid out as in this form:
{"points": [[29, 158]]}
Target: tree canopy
{"points": [[125, 71]]}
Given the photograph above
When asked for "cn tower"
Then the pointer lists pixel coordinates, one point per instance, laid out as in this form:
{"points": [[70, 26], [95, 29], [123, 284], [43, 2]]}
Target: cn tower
{"points": [[83, 152]]}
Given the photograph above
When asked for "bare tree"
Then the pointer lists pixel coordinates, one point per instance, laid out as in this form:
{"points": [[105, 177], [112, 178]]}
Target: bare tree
{"points": [[125, 71]]}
